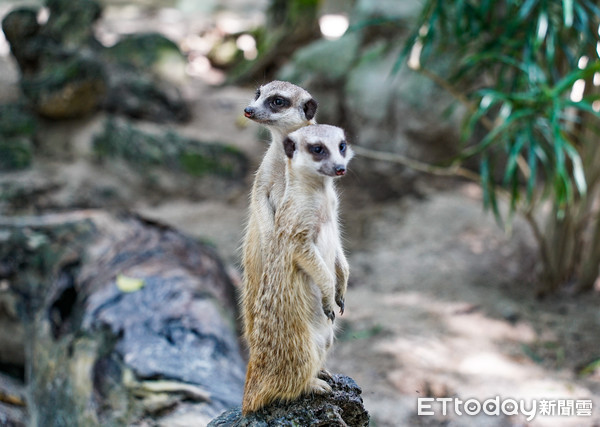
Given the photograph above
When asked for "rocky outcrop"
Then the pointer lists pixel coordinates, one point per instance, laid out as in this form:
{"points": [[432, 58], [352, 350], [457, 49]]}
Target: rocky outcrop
{"points": [[125, 320], [342, 407], [66, 73], [120, 139], [358, 88]]}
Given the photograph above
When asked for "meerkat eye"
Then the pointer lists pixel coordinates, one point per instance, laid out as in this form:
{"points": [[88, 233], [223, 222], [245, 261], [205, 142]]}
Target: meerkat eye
{"points": [[342, 147], [257, 94], [317, 149], [278, 102]]}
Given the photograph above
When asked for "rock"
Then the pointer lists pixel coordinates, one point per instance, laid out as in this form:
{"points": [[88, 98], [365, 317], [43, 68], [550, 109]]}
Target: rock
{"points": [[17, 130], [107, 354], [66, 73], [324, 61], [65, 89], [21, 30], [142, 150], [142, 96], [16, 120], [15, 153], [381, 108], [343, 407], [151, 52], [12, 402], [70, 23]]}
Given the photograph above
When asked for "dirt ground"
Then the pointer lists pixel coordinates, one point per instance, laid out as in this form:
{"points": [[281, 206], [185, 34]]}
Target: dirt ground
{"points": [[441, 302]]}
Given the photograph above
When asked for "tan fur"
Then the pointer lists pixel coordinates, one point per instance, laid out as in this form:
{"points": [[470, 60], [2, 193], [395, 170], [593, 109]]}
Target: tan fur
{"points": [[269, 183], [305, 271]]}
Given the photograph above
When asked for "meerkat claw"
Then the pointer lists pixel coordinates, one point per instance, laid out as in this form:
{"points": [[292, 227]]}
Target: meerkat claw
{"points": [[324, 374], [319, 386], [329, 313], [340, 302]]}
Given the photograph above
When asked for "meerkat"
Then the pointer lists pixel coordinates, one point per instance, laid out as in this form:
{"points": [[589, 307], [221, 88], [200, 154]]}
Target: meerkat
{"points": [[283, 108], [294, 315]]}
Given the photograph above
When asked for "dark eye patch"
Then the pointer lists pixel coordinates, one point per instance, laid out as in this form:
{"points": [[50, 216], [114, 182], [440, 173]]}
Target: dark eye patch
{"points": [[257, 94], [318, 151], [276, 102]]}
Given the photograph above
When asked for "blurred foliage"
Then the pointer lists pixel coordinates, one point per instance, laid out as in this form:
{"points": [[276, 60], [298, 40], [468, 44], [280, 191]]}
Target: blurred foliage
{"points": [[143, 150], [515, 66], [290, 25]]}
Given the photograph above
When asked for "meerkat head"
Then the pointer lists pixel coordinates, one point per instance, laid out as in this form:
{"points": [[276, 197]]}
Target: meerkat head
{"points": [[318, 150], [282, 106]]}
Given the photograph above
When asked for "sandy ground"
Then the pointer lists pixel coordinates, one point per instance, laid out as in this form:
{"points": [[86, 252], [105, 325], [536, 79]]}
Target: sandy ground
{"points": [[440, 303]]}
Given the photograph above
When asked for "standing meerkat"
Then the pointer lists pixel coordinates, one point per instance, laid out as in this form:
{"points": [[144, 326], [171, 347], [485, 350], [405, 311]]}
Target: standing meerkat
{"points": [[283, 108], [294, 313]]}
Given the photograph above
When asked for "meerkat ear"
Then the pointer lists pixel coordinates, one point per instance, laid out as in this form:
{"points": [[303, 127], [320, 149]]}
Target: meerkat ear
{"points": [[310, 109], [289, 147]]}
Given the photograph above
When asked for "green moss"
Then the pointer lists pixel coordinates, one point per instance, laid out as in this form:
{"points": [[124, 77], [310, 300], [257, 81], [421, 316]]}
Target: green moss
{"points": [[142, 50], [15, 120], [169, 150], [15, 153]]}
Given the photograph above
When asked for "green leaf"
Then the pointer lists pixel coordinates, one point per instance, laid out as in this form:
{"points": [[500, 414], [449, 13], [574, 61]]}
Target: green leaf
{"points": [[578, 172], [494, 133], [129, 284], [489, 191], [532, 163], [567, 82], [525, 10], [513, 155], [568, 12]]}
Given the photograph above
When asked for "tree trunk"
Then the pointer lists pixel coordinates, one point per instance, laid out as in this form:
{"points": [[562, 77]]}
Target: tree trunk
{"points": [[125, 321]]}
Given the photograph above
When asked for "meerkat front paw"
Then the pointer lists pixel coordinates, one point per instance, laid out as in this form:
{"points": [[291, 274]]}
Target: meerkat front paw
{"points": [[328, 310], [319, 386], [339, 300]]}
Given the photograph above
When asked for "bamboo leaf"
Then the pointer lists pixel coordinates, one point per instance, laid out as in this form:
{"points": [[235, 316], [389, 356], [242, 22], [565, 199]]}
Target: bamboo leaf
{"points": [[568, 12], [489, 192], [532, 163], [578, 172], [494, 133], [513, 155], [570, 79]]}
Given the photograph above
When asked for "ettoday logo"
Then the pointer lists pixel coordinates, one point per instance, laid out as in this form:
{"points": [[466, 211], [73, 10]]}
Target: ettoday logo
{"points": [[496, 406]]}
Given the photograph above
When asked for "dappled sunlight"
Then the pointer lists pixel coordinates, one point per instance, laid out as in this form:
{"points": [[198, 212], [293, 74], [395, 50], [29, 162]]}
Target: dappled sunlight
{"points": [[333, 26], [441, 348]]}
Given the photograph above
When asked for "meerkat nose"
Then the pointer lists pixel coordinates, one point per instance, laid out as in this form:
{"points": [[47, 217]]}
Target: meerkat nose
{"points": [[249, 112], [340, 170]]}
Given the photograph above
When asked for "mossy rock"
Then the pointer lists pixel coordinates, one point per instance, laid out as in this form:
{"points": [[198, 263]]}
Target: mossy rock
{"points": [[66, 89], [143, 50], [138, 95], [171, 151], [15, 153], [15, 120], [17, 130], [70, 22]]}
